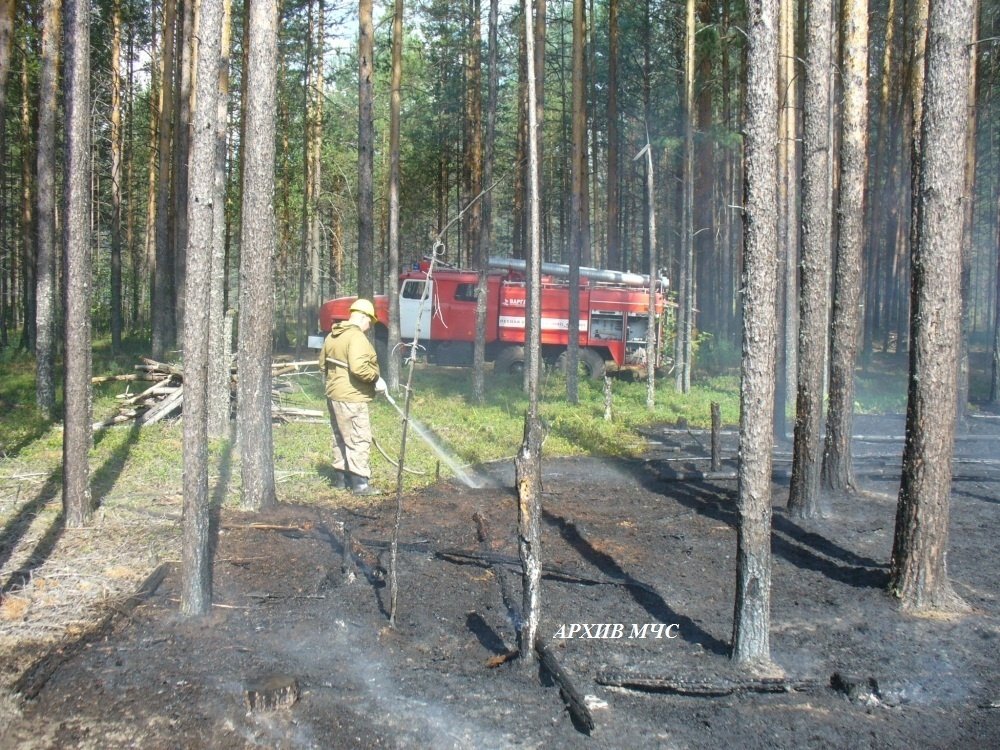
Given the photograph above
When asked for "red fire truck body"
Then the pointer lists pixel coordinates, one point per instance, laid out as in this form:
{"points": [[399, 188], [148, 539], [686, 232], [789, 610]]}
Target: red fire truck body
{"points": [[442, 311]]}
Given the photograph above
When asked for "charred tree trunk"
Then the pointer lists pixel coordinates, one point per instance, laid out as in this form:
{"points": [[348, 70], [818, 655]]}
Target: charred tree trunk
{"points": [[803, 496], [751, 619], [528, 466], [918, 574], [76, 240], [838, 470]]}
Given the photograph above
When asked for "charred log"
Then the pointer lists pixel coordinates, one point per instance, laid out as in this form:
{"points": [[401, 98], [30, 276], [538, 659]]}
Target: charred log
{"points": [[707, 687], [575, 702]]}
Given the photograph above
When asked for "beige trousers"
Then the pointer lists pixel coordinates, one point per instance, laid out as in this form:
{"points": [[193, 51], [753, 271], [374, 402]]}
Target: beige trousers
{"points": [[352, 437]]}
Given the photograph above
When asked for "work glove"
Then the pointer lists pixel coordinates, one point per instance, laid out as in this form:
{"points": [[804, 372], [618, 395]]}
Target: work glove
{"points": [[381, 386]]}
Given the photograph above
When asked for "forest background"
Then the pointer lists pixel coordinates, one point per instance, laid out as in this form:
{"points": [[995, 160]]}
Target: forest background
{"points": [[642, 82]]}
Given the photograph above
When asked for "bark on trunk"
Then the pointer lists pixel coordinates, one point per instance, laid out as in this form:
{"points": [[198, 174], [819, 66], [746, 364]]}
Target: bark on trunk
{"points": [[76, 240], [196, 593], [838, 471], [751, 619], [45, 295], [918, 574], [366, 151], [804, 496], [257, 264]]}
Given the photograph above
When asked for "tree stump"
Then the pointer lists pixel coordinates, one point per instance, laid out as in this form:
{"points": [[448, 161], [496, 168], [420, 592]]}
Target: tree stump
{"points": [[270, 693]]}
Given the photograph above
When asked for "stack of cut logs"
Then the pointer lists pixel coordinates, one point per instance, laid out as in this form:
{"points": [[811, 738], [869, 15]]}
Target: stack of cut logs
{"points": [[165, 396]]}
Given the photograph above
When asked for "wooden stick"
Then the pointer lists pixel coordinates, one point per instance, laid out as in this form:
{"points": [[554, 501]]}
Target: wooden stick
{"points": [[714, 686], [575, 702]]}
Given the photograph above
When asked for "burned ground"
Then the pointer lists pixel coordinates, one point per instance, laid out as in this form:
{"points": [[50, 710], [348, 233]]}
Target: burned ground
{"points": [[624, 543]]}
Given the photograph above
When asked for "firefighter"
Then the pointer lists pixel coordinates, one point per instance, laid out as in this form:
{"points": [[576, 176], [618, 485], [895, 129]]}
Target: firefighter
{"points": [[352, 381]]}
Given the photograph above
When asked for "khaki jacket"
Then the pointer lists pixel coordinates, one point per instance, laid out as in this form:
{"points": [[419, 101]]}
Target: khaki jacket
{"points": [[356, 382]]}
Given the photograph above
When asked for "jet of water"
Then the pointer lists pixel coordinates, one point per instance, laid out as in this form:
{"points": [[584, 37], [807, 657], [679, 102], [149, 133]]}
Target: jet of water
{"points": [[450, 461]]}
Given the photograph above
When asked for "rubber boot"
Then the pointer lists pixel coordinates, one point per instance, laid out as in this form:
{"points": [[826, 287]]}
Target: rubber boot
{"points": [[340, 480], [360, 486]]}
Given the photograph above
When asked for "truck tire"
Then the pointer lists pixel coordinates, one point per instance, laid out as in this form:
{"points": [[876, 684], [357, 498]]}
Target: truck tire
{"points": [[591, 363], [510, 361]]}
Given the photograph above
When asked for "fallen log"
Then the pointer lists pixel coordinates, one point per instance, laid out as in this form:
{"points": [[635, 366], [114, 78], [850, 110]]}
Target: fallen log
{"points": [[132, 376], [576, 704], [164, 408], [707, 686]]}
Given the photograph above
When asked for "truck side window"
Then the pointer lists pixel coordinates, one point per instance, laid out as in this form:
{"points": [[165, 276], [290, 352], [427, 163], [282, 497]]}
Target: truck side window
{"points": [[413, 289], [465, 293]]}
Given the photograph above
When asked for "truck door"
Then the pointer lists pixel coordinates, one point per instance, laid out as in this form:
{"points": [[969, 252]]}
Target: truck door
{"points": [[416, 303]]}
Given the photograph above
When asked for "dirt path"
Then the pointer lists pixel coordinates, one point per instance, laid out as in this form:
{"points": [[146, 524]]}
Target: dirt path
{"points": [[623, 544]]}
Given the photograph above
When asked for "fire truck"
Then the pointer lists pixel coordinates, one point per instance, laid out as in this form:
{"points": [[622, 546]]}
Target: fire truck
{"points": [[440, 308]]}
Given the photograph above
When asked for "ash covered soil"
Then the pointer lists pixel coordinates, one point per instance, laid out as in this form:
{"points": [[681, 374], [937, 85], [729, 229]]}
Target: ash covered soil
{"points": [[623, 543]]}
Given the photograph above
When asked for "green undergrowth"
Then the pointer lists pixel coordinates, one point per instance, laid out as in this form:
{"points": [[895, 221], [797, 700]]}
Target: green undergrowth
{"points": [[129, 464]]}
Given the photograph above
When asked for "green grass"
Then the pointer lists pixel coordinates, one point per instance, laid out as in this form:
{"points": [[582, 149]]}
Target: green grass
{"points": [[129, 463]]}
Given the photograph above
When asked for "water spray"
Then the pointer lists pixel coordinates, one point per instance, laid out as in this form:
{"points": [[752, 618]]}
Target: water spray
{"points": [[443, 454]]}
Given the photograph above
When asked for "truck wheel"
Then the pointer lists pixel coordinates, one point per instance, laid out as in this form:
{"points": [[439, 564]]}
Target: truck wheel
{"points": [[510, 361], [591, 363]]}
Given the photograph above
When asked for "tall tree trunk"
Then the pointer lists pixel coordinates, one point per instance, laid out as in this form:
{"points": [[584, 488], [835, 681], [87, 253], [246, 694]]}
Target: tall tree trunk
{"points": [[752, 611], [474, 139], [614, 251], [804, 497], [29, 199], [838, 469], [196, 592], [918, 571], [486, 237], [164, 331], [528, 466], [8, 10], [917, 42], [392, 366], [685, 292], [703, 231], [968, 226], [46, 299], [156, 96], [117, 145], [257, 241], [220, 349], [76, 240], [788, 221], [887, 130], [580, 200], [366, 151], [187, 50]]}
